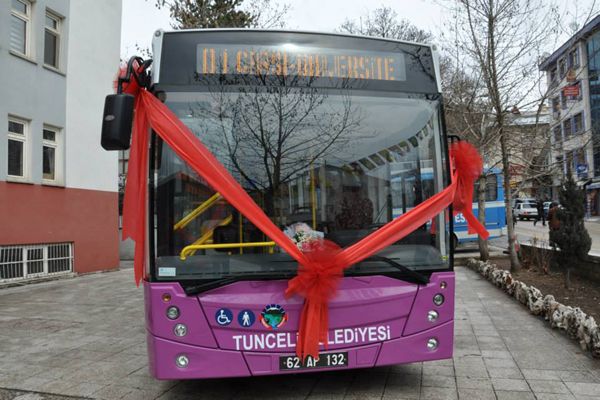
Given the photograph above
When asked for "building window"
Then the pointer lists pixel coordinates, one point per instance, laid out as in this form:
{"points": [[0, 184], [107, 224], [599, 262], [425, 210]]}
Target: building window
{"points": [[52, 40], [574, 58], [553, 76], [578, 123], [563, 101], [557, 133], [19, 26], [555, 105], [562, 67], [17, 148], [567, 128], [51, 155]]}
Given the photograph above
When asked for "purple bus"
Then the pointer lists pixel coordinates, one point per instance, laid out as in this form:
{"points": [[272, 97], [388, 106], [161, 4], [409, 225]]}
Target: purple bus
{"points": [[312, 125]]}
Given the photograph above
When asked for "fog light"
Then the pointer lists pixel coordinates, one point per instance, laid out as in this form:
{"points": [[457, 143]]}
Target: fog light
{"points": [[182, 361], [438, 299], [443, 284], [172, 312], [180, 330], [432, 344], [432, 316]]}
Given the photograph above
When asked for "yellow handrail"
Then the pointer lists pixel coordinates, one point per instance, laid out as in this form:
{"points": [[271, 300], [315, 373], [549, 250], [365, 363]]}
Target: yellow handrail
{"points": [[197, 211], [187, 250], [208, 234]]}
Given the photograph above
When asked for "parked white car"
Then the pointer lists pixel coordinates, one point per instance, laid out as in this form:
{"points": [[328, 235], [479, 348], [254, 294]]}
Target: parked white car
{"points": [[526, 211]]}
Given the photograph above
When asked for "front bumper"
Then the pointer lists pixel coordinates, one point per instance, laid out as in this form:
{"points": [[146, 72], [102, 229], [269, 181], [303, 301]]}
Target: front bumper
{"points": [[218, 363]]}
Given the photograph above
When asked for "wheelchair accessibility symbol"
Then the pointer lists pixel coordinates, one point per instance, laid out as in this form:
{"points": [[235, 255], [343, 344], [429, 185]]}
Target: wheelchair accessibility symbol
{"points": [[224, 316]]}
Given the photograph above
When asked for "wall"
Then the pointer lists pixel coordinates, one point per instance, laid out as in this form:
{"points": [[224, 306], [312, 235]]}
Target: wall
{"points": [[84, 208], [30, 90], [43, 214], [94, 46]]}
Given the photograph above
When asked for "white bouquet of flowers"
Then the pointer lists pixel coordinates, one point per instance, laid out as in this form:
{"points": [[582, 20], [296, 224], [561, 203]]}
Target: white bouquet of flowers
{"points": [[302, 234]]}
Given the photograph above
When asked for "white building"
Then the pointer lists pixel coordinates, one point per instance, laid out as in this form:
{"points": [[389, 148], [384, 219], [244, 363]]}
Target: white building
{"points": [[58, 187], [574, 93]]}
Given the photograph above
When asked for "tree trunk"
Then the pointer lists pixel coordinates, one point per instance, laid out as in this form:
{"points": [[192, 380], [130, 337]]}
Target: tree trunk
{"points": [[567, 278], [484, 253], [515, 265]]}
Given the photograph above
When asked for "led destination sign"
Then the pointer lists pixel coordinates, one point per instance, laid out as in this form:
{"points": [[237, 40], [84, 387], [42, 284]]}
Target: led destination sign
{"points": [[296, 61]]}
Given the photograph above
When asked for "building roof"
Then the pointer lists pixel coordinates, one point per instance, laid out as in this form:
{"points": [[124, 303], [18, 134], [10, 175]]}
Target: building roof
{"points": [[583, 33], [530, 118]]}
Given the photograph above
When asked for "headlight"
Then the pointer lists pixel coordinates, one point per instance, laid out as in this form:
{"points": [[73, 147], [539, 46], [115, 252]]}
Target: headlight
{"points": [[438, 299], [180, 330], [432, 316], [182, 361], [432, 344], [172, 312]]}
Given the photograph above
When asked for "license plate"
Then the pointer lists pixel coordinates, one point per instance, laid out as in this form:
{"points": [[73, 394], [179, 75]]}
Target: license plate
{"points": [[326, 360]]}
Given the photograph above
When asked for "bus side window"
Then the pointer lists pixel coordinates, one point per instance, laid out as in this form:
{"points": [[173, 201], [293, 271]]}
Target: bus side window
{"points": [[491, 189]]}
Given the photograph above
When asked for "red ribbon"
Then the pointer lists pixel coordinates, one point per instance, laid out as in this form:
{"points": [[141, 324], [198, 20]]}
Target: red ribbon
{"points": [[322, 264]]}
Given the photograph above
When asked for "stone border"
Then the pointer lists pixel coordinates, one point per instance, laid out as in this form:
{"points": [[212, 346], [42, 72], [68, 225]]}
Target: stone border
{"points": [[572, 320]]}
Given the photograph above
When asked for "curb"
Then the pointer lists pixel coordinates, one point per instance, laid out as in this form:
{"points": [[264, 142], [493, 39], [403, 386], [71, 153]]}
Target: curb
{"points": [[577, 324]]}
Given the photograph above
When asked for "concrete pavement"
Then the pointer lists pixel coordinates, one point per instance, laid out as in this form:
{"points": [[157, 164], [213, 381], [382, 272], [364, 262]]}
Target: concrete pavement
{"points": [[84, 337], [526, 231]]}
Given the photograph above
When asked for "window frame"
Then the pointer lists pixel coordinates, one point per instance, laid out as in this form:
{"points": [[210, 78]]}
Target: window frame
{"points": [[27, 17], [24, 139], [557, 133], [564, 101], [562, 67], [56, 32], [573, 58], [554, 75], [567, 133], [574, 125], [57, 145]]}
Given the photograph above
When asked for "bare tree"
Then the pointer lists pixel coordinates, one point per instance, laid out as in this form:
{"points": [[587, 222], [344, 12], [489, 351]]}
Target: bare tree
{"points": [[502, 39], [466, 113], [188, 14], [384, 22], [287, 132]]}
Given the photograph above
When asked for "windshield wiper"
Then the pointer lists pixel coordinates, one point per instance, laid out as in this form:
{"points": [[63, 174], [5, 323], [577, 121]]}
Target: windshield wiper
{"points": [[212, 284], [419, 278]]}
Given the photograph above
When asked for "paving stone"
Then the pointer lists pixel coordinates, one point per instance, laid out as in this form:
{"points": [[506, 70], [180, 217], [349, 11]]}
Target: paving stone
{"points": [[439, 381], [464, 382], [510, 384], [510, 395], [554, 396], [112, 392], [496, 354], [69, 342], [476, 394], [500, 363], [545, 386], [512, 373], [471, 372], [584, 389], [438, 370], [432, 393]]}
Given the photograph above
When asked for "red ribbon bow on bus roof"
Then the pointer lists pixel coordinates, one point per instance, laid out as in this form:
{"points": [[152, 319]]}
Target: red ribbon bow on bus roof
{"points": [[320, 268]]}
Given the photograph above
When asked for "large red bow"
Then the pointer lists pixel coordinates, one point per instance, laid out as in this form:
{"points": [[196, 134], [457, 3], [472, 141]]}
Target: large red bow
{"points": [[322, 265]]}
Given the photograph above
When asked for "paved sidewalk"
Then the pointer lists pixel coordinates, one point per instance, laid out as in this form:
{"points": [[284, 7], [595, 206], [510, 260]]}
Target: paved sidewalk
{"points": [[84, 337]]}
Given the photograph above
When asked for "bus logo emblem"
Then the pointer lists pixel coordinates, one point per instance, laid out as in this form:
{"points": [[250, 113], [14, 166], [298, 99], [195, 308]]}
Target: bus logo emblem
{"points": [[223, 316], [273, 317]]}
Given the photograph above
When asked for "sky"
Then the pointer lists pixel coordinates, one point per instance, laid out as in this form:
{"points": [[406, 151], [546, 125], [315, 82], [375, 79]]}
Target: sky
{"points": [[141, 18]]}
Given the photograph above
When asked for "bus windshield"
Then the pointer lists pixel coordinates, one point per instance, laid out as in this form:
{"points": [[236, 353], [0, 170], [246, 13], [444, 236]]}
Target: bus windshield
{"points": [[327, 162]]}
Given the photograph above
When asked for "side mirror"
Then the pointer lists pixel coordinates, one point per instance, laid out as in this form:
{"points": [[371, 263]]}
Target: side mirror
{"points": [[117, 121]]}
